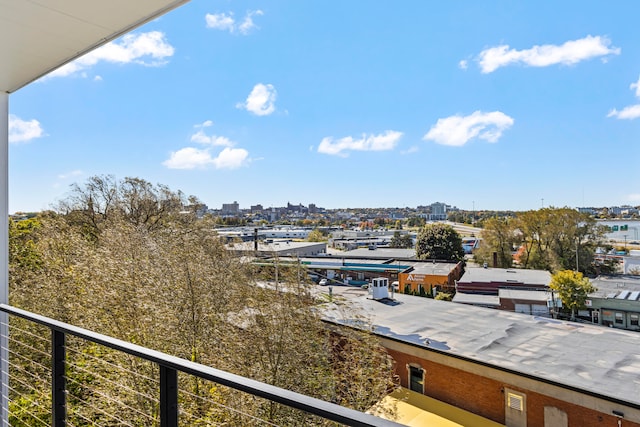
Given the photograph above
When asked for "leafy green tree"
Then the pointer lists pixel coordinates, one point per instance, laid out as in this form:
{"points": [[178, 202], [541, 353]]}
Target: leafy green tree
{"points": [[401, 240], [498, 236], [416, 221], [316, 236], [558, 239], [573, 289], [439, 241]]}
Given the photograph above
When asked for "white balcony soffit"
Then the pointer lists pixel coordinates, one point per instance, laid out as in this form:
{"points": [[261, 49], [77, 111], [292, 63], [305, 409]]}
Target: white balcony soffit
{"points": [[38, 36]]}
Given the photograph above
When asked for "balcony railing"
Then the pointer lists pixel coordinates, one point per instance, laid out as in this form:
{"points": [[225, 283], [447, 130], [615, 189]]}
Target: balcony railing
{"points": [[167, 368]]}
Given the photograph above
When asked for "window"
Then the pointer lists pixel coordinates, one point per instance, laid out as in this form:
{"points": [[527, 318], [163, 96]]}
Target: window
{"points": [[634, 320], [416, 379], [619, 320]]}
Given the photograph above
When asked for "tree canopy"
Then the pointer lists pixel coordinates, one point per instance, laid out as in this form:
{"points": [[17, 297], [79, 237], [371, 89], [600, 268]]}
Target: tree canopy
{"points": [[546, 239], [573, 289], [130, 260], [439, 241], [401, 240]]}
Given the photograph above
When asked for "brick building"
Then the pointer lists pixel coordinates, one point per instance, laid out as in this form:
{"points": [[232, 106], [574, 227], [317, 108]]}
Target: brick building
{"points": [[511, 368]]}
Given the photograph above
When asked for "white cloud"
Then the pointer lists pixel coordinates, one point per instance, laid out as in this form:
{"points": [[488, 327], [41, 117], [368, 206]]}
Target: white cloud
{"points": [[463, 64], [202, 138], [570, 52], [382, 142], [247, 24], [194, 158], [189, 158], [231, 158], [226, 22], [636, 86], [458, 130], [629, 113], [149, 49], [23, 130], [220, 21], [261, 100], [633, 197], [202, 158]]}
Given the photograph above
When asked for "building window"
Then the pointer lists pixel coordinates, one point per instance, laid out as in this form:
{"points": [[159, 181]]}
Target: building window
{"points": [[619, 318], [416, 379], [634, 320]]}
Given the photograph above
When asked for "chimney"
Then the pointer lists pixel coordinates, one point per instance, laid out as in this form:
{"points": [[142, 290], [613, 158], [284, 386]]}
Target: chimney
{"points": [[495, 260]]}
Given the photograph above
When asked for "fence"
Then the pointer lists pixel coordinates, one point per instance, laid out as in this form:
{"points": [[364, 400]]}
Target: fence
{"points": [[53, 361]]}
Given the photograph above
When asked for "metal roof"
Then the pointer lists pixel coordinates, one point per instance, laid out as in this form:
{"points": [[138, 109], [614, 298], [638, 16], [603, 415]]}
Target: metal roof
{"points": [[38, 36]]}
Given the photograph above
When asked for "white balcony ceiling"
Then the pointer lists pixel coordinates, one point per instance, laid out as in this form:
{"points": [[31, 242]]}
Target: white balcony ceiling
{"points": [[38, 36]]}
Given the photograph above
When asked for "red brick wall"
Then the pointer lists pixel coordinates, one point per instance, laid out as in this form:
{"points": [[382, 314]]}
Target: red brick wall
{"points": [[471, 392], [485, 397]]}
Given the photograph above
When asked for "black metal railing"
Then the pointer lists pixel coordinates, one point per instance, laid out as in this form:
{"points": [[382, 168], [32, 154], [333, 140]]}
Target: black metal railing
{"points": [[169, 367]]}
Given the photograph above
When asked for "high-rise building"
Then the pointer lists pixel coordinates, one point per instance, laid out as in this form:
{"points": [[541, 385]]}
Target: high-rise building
{"points": [[230, 208]]}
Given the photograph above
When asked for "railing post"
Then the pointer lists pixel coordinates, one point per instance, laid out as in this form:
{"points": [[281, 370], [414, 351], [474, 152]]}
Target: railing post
{"points": [[58, 379], [168, 397]]}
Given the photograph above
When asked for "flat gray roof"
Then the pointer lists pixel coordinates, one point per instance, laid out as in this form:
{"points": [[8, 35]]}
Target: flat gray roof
{"points": [[487, 275], [615, 286], [596, 359], [380, 253], [433, 268], [519, 294], [477, 299]]}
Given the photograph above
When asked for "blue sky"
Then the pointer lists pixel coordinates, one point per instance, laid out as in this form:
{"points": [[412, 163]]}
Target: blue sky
{"points": [[485, 105]]}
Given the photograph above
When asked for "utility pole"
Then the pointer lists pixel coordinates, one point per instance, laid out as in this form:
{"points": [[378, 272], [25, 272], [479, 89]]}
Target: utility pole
{"points": [[473, 218]]}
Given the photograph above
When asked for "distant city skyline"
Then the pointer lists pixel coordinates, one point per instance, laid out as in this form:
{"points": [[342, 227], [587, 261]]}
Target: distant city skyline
{"points": [[506, 106]]}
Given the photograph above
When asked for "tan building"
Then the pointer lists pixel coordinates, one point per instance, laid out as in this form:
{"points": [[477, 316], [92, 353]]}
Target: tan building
{"points": [[427, 275]]}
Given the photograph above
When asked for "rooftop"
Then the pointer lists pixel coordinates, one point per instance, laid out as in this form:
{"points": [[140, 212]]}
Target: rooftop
{"points": [[386, 253], [519, 294], [620, 287], [608, 359], [505, 275], [275, 247], [433, 268], [477, 299]]}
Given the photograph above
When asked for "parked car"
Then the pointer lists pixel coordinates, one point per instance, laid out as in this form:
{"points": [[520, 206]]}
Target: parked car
{"points": [[323, 282]]}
